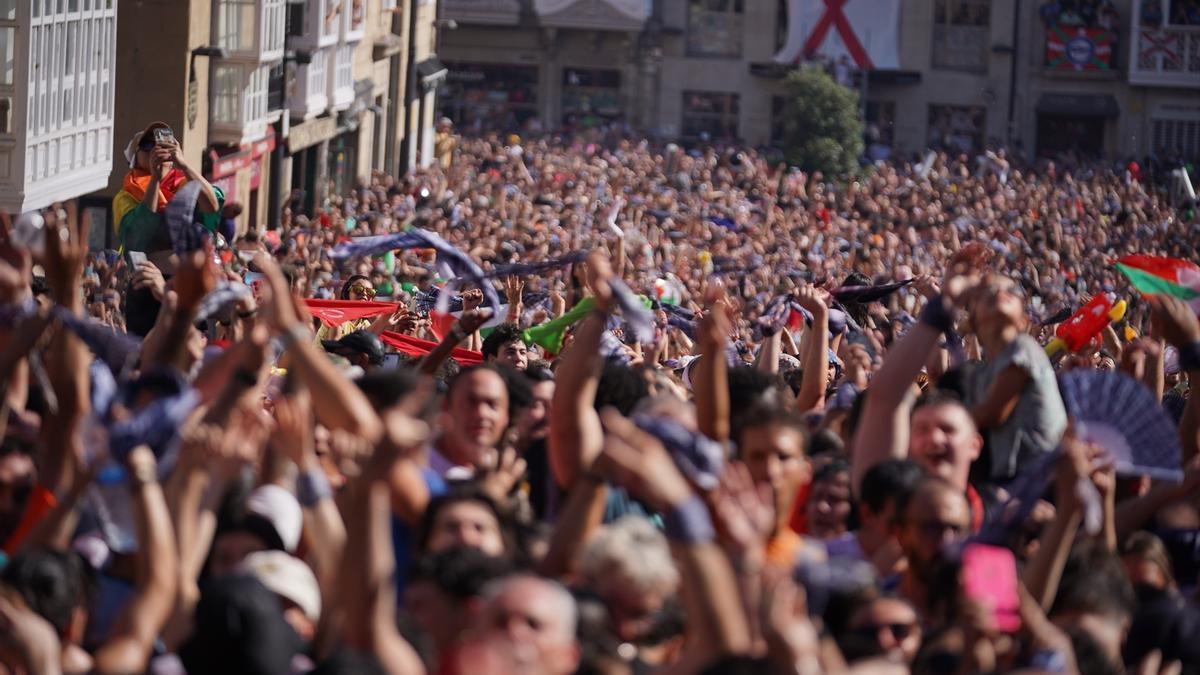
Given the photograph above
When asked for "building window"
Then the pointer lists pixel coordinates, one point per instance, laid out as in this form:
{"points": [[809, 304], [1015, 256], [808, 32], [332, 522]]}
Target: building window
{"points": [[274, 23], [715, 28], [226, 88], [1177, 138], [343, 75], [330, 26], [256, 94], [318, 72], [8, 61], [235, 25], [778, 118], [956, 128], [961, 31], [710, 115]]}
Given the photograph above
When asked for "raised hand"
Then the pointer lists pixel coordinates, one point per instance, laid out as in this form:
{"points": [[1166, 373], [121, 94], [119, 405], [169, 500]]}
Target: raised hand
{"points": [[472, 299], [599, 272], [813, 299], [16, 266], [66, 252], [1174, 320], [473, 320], [500, 473], [638, 462], [147, 275], [743, 513], [196, 277]]}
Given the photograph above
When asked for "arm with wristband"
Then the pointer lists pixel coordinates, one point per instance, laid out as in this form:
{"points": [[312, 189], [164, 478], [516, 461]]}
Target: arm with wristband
{"points": [[638, 462]]}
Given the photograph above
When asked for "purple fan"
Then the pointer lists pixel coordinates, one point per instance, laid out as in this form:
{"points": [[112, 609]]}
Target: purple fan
{"points": [[1119, 414]]}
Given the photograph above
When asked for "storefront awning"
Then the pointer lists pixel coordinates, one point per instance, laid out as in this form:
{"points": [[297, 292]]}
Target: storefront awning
{"points": [[618, 15], [1079, 105]]}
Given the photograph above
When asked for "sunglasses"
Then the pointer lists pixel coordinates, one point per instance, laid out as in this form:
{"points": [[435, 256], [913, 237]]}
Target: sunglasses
{"points": [[899, 631], [363, 290]]}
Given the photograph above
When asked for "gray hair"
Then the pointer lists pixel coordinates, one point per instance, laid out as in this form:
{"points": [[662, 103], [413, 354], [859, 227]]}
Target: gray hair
{"points": [[632, 549]]}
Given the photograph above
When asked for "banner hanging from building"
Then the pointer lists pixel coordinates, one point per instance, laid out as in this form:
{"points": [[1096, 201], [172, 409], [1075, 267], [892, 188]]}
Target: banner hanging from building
{"points": [[867, 32], [1079, 48]]}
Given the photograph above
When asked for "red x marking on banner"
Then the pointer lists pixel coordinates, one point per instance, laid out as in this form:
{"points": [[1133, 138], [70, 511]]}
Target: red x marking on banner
{"points": [[835, 16]]}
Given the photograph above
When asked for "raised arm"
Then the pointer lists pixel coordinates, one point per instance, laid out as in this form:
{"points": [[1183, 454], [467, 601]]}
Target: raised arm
{"points": [[66, 362], [575, 433], [338, 404], [883, 427], [640, 463], [128, 648], [710, 381], [816, 350], [466, 326], [1175, 322], [366, 596]]}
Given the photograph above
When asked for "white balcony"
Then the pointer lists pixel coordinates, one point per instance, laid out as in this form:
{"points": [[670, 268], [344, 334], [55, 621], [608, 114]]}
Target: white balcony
{"points": [[1164, 54], [310, 95], [56, 100], [238, 112], [250, 31]]}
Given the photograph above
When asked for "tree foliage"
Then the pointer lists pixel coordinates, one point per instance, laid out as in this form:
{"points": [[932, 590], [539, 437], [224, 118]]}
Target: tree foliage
{"points": [[822, 130]]}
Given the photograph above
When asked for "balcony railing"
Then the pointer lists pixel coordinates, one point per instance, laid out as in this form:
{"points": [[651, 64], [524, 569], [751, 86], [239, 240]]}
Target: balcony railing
{"points": [[1165, 48]]}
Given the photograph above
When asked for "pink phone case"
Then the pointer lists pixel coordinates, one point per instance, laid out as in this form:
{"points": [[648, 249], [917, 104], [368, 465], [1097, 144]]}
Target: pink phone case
{"points": [[989, 573]]}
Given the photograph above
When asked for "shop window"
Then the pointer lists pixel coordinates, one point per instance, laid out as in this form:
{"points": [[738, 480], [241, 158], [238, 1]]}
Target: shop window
{"points": [[715, 28], [590, 96], [961, 32], [490, 96], [956, 128], [710, 115]]}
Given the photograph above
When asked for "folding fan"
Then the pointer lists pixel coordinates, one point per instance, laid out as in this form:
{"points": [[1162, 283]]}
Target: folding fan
{"points": [[1119, 414]]}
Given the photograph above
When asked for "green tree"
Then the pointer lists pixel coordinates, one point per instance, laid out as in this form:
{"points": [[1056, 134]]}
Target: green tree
{"points": [[822, 130]]}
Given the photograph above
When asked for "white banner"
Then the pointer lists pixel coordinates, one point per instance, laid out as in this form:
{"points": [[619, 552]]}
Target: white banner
{"points": [[865, 31]]}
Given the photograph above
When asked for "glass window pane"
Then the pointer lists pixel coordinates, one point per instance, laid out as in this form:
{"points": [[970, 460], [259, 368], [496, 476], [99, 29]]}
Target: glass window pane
{"points": [[8, 36]]}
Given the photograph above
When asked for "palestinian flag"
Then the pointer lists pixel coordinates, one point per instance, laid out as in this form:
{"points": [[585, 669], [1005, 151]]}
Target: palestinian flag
{"points": [[1157, 275]]}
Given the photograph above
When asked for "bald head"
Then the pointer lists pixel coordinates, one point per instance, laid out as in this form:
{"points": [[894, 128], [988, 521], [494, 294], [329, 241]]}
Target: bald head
{"points": [[535, 612]]}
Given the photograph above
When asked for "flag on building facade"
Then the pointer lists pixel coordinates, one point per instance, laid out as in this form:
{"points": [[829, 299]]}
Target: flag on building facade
{"points": [[1070, 48], [865, 31]]}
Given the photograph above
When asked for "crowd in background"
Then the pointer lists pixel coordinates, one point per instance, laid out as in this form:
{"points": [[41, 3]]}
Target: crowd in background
{"points": [[816, 460]]}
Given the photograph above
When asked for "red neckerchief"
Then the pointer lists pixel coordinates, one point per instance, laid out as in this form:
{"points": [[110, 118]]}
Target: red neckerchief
{"points": [[975, 504]]}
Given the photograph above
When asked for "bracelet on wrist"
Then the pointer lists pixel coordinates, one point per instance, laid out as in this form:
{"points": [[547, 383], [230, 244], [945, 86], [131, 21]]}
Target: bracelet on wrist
{"points": [[689, 522], [938, 315], [293, 334], [312, 487]]}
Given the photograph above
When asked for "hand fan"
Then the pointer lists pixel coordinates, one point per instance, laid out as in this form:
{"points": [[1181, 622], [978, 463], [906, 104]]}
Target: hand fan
{"points": [[1119, 414]]}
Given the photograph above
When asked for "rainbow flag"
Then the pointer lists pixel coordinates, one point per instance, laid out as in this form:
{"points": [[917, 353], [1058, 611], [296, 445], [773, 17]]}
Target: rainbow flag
{"points": [[1159, 275]]}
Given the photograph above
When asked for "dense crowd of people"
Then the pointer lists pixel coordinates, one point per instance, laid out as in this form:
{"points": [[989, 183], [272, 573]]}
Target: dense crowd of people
{"points": [[622, 408]]}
